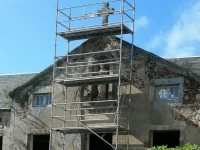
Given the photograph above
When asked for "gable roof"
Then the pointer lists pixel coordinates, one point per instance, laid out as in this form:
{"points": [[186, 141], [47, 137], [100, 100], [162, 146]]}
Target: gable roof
{"points": [[104, 41], [190, 63], [9, 82]]}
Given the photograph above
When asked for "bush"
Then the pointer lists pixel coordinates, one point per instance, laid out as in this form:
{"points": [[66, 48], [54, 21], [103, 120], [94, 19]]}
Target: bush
{"points": [[187, 146]]}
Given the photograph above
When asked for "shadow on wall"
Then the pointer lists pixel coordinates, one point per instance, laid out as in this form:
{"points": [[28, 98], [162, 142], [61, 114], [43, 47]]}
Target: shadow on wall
{"points": [[167, 113]]}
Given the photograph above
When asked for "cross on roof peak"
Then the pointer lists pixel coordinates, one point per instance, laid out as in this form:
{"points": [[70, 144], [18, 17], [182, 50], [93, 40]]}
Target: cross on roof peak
{"points": [[104, 12]]}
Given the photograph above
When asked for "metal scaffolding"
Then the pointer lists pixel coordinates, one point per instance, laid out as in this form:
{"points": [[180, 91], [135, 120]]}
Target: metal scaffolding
{"points": [[85, 116]]}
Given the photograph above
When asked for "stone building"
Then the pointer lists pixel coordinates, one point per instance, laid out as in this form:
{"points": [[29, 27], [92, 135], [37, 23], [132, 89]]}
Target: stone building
{"points": [[165, 105]]}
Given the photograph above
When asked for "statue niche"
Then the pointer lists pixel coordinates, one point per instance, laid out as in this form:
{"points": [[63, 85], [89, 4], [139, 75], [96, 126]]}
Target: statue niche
{"points": [[100, 91]]}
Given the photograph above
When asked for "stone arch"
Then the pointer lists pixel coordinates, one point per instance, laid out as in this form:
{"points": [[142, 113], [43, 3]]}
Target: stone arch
{"points": [[101, 58]]}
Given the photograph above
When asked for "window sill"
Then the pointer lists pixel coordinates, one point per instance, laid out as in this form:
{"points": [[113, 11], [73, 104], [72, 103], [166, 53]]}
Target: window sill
{"points": [[168, 100], [42, 106]]}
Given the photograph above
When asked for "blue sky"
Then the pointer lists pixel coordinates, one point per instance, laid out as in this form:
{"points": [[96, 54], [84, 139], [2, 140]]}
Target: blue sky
{"points": [[27, 27]]}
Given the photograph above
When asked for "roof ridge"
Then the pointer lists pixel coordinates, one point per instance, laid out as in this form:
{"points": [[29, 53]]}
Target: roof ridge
{"points": [[19, 74], [182, 57]]}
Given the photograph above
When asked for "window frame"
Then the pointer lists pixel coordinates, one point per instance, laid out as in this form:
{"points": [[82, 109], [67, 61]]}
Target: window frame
{"points": [[168, 92], [5, 115], [43, 103], [164, 82]]}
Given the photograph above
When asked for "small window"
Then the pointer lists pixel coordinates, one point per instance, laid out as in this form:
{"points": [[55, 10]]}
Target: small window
{"points": [[5, 115], [167, 93], [42, 99]]}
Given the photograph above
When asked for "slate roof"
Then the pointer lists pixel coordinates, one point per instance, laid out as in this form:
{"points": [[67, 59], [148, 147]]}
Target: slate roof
{"points": [[9, 82], [190, 63]]}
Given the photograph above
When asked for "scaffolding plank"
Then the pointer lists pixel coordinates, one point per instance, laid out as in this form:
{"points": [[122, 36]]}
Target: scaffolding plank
{"points": [[91, 80], [91, 120], [97, 129], [85, 33], [95, 108]]}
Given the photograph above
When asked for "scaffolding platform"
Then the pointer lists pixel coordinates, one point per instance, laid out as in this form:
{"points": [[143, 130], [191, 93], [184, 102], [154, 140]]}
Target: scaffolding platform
{"points": [[85, 33], [97, 129], [91, 80]]}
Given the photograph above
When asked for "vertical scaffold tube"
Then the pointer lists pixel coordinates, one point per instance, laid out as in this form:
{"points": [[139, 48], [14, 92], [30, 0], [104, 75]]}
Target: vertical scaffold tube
{"points": [[131, 69], [53, 79], [119, 83]]}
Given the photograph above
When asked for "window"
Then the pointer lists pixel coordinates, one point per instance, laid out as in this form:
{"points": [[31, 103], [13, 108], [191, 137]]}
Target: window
{"points": [[42, 99], [167, 89], [5, 115], [167, 93]]}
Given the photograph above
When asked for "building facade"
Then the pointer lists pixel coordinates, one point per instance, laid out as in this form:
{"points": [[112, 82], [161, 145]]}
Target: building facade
{"points": [[164, 108]]}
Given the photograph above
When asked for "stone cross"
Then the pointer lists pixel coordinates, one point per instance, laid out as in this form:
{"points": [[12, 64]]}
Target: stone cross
{"points": [[104, 12]]}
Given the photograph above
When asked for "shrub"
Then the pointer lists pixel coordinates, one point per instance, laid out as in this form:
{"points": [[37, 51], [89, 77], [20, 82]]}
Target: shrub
{"points": [[187, 146]]}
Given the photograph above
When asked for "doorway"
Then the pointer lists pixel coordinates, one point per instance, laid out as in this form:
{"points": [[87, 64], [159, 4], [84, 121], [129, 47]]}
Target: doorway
{"points": [[41, 142], [1, 142], [98, 144], [169, 138]]}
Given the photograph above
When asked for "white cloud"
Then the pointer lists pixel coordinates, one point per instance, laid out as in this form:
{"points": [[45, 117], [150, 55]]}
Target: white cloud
{"points": [[141, 22], [182, 39]]}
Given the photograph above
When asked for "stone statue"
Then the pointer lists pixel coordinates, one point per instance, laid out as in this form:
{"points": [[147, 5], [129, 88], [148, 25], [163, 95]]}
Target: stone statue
{"points": [[102, 87]]}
